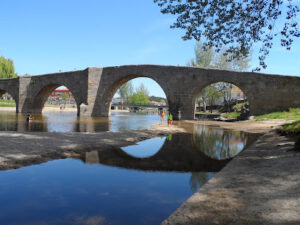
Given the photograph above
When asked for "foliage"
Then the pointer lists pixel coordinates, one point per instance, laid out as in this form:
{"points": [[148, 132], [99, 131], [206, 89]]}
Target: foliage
{"points": [[65, 96], [7, 101], [217, 144], [209, 95], [142, 89], [232, 115], [292, 128], [238, 107], [126, 90], [209, 58], [292, 114], [7, 69], [140, 97], [236, 24], [203, 58]]}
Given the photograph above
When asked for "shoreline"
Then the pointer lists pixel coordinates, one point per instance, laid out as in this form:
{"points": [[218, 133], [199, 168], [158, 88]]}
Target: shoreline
{"points": [[251, 126]]}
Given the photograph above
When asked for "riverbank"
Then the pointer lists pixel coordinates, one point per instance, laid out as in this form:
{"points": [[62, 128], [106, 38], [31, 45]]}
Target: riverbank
{"points": [[259, 186], [19, 149], [251, 126]]}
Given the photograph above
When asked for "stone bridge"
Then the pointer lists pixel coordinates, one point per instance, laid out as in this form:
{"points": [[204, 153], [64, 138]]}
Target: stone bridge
{"points": [[94, 88]]}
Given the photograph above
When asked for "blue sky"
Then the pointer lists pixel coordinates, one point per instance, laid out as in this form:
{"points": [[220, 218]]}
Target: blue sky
{"points": [[48, 36]]}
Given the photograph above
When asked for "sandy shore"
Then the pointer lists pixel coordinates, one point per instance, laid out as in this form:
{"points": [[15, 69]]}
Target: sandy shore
{"points": [[251, 126]]}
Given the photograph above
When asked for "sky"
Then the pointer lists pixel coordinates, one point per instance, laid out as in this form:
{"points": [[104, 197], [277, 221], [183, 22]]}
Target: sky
{"points": [[64, 35]]}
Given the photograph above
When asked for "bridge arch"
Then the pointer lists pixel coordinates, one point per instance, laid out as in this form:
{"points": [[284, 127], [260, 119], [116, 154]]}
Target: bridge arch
{"points": [[12, 94], [42, 94], [105, 101], [247, 92]]}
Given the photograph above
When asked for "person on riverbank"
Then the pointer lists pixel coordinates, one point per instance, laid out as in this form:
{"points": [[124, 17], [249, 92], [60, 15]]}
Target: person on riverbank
{"points": [[170, 119], [162, 116]]}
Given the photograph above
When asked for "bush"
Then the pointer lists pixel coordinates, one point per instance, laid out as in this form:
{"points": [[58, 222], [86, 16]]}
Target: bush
{"points": [[238, 107], [292, 128]]}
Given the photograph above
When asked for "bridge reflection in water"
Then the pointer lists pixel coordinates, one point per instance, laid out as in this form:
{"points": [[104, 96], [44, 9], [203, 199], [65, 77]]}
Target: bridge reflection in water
{"points": [[201, 154], [208, 150]]}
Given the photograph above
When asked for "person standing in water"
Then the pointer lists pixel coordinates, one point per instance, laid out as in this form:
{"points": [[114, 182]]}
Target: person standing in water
{"points": [[162, 116], [170, 119], [29, 118]]}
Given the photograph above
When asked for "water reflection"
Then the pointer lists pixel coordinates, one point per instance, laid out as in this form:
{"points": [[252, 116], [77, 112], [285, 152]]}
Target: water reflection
{"points": [[179, 152], [198, 179], [218, 143], [70, 192], [145, 149]]}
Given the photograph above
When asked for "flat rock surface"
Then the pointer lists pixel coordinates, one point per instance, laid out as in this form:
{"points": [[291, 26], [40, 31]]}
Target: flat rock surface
{"points": [[260, 186], [25, 148]]}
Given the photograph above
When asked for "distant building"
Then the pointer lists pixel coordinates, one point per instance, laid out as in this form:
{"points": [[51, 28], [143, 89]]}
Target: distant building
{"points": [[61, 96], [6, 96], [157, 103]]}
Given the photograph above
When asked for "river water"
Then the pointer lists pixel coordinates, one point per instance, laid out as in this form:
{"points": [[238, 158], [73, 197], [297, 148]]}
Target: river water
{"points": [[139, 184]]}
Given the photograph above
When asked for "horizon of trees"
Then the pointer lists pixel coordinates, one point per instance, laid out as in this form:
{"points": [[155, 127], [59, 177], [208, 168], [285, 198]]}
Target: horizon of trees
{"points": [[7, 69], [139, 96]]}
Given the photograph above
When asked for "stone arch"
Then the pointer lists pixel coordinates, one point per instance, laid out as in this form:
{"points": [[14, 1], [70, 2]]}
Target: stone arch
{"points": [[14, 96], [245, 90], [106, 100], [43, 93]]}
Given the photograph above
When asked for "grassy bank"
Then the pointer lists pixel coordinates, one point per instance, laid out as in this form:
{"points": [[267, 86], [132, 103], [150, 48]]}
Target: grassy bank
{"points": [[7, 103], [292, 128], [291, 114], [232, 115]]}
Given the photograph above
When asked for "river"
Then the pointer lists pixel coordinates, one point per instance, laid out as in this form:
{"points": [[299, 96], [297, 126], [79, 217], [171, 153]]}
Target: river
{"points": [[139, 184]]}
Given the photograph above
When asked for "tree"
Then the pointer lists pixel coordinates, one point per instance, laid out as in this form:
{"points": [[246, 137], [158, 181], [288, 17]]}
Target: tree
{"points": [[209, 58], [140, 97], [125, 91], [209, 95], [203, 57], [225, 61], [236, 25], [142, 89], [65, 96], [7, 69]]}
